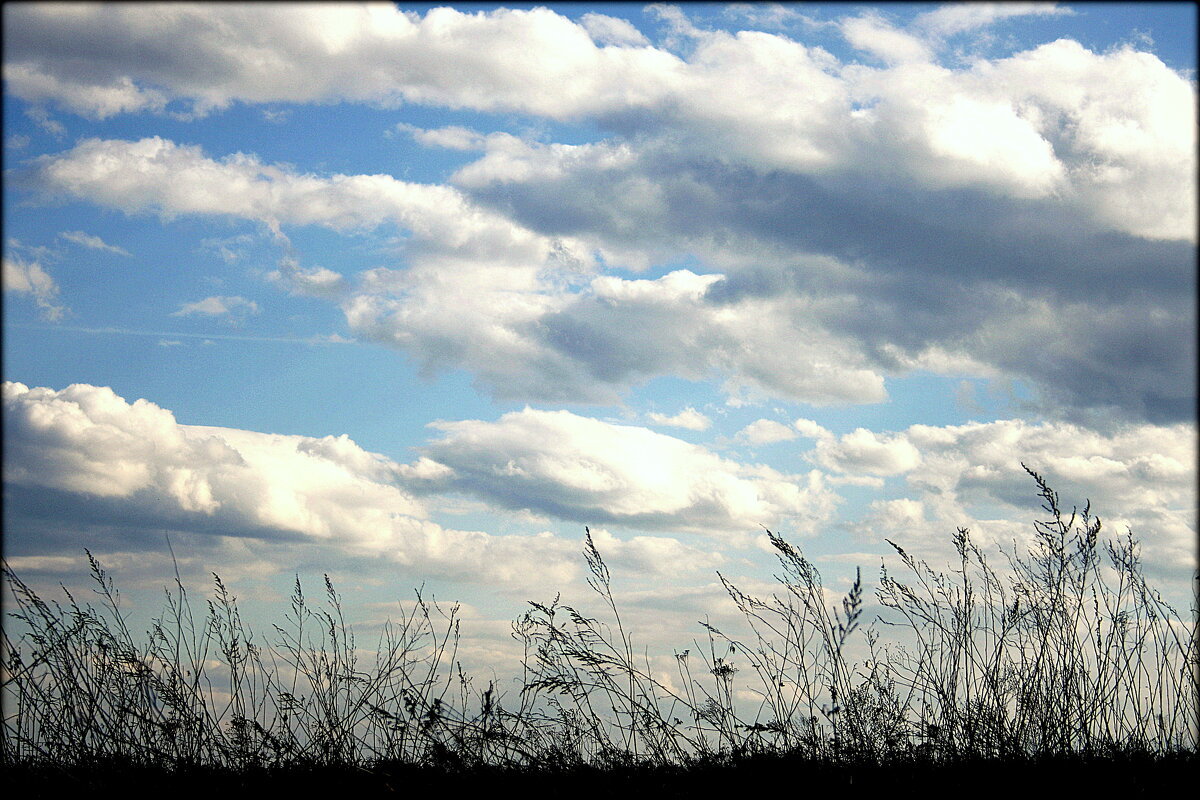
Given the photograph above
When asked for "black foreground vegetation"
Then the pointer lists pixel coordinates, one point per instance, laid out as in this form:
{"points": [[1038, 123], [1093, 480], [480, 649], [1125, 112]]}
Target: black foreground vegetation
{"points": [[1059, 662]]}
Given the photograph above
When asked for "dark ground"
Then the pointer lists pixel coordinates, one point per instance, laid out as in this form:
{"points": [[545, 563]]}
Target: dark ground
{"points": [[1065, 779]]}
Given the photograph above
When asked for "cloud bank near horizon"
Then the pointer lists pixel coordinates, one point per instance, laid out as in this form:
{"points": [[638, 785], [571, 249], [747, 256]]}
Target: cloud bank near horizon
{"points": [[83, 455]]}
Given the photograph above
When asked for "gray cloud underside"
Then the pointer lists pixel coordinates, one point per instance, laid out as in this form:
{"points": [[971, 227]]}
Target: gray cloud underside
{"points": [[1094, 317]]}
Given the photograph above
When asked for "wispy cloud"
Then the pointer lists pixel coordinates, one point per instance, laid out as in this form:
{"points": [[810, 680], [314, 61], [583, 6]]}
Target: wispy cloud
{"points": [[958, 18], [217, 306], [314, 281], [206, 338], [28, 277], [93, 242], [873, 34]]}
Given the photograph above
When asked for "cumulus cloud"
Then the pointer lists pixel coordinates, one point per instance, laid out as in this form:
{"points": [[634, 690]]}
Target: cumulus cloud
{"points": [[727, 92], [934, 283], [766, 431], [462, 258], [810, 429], [90, 455], [1140, 477], [452, 137], [576, 468], [689, 419], [1136, 465], [98, 100], [28, 277], [877, 218], [866, 452], [314, 53]]}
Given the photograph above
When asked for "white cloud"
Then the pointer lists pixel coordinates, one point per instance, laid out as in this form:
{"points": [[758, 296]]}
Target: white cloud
{"points": [[810, 429], [510, 159], [653, 555], [97, 100], [597, 473], [606, 30], [131, 466], [157, 175], [28, 277], [154, 174], [1136, 465], [316, 281], [92, 242], [953, 138], [524, 312], [453, 137], [1140, 477], [1008, 126], [901, 514], [1123, 125], [766, 431], [217, 306], [957, 18], [1093, 131], [681, 31], [689, 419], [313, 53], [863, 451], [871, 33], [724, 98]]}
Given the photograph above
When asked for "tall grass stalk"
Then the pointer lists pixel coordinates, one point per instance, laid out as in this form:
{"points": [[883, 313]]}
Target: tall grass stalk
{"points": [[1063, 649]]}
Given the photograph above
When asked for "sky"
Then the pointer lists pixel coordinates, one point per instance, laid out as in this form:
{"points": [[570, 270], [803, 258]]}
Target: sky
{"points": [[411, 295]]}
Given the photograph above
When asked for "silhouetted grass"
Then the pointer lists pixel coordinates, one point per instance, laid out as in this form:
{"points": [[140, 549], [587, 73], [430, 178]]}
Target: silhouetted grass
{"points": [[1064, 659]]}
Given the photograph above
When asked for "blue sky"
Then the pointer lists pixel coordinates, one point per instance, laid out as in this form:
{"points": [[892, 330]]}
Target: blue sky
{"points": [[412, 295]]}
